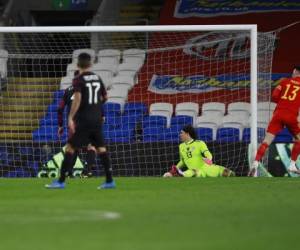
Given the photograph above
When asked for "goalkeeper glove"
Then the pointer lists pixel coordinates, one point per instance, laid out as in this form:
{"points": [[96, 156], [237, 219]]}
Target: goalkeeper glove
{"points": [[208, 161]]}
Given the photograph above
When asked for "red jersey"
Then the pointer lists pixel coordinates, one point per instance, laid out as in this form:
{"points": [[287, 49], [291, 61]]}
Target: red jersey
{"points": [[287, 95]]}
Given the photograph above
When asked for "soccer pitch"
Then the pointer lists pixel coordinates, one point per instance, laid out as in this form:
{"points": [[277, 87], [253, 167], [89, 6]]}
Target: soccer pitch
{"points": [[151, 213]]}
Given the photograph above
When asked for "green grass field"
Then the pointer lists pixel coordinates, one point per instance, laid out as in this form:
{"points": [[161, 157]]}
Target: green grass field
{"points": [[151, 213]]}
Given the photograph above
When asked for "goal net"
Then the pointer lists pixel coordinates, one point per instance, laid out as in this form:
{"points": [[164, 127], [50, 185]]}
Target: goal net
{"points": [[158, 80]]}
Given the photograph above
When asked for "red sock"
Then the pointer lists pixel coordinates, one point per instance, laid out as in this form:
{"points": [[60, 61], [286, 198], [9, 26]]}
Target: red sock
{"points": [[295, 151], [261, 151]]}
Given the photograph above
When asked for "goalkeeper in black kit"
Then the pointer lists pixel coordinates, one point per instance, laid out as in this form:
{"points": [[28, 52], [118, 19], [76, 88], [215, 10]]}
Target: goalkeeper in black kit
{"points": [[85, 122], [66, 103]]}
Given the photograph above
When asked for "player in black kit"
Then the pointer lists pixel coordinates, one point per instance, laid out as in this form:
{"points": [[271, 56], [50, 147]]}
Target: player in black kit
{"points": [[85, 122], [65, 103]]}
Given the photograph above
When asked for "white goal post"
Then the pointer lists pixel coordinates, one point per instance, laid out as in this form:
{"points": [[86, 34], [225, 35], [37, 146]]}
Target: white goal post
{"points": [[249, 59]]}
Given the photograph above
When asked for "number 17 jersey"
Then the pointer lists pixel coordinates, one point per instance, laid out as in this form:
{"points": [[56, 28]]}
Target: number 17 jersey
{"points": [[93, 94]]}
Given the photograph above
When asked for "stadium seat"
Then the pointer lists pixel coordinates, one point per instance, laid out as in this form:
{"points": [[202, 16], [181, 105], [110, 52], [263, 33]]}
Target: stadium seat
{"points": [[45, 134], [181, 121], [239, 108], [109, 56], [57, 96], [66, 82], [106, 77], [130, 66], [284, 136], [134, 53], [236, 120], [266, 106], [3, 63], [152, 134], [210, 120], [162, 109], [113, 68], [228, 134], [117, 96], [187, 109], [247, 134], [111, 109], [212, 108], [135, 108], [155, 121], [205, 134], [171, 134], [119, 135], [263, 118], [123, 81]]}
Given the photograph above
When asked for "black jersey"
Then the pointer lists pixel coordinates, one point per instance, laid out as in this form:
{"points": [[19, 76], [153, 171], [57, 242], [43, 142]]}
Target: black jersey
{"points": [[65, 102], [93, 95]]}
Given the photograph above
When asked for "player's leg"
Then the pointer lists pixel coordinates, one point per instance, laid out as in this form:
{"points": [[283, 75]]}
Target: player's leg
{"points": [[91, 161], [274, 127], [98, 142], [67, 164], [293, 127], [214, 170]]}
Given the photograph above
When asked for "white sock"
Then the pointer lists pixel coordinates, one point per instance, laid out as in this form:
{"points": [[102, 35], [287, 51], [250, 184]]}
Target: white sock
{"points": [[292, 164]]}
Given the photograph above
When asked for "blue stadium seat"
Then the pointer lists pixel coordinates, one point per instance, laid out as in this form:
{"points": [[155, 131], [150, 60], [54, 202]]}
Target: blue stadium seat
{"points": [[45, 134], [112, 109], [57, 96], [204, 134], [154, 121], [181, 120], [52, 108], [152, 134], [284, 136], [171, 134], [228, 135], [247, 134], [135, 108], [119, 135]]}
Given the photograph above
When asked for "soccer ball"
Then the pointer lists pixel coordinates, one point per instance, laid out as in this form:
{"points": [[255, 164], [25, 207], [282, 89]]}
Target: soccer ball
{"points": [[167, 174]]}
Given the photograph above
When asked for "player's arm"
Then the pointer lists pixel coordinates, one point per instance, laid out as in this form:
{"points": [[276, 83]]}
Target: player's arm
{"points": [[60, 112], [75, 105], [206, 154], [276, 94]]}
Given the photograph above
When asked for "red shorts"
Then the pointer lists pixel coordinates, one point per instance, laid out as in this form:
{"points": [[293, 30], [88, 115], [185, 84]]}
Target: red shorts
{"points": [[284, 119]]}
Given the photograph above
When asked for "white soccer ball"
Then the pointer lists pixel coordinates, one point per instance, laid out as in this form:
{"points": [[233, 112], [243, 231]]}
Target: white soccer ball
{"points": [[167, 174]]}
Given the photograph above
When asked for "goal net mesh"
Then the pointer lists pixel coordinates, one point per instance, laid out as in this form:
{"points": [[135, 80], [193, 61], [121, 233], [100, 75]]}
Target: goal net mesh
{"points": [[157, 82]]}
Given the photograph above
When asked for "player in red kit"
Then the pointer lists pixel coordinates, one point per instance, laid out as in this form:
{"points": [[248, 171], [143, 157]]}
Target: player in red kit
{"points": [[287, 97]]}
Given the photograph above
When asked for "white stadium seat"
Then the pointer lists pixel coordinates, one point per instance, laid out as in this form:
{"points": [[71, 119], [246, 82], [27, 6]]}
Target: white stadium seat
{"points": [[266, 106], [105, 67], [236, 120], [210, 120], [162, 109], [217, 108], [239, 107], [122, 80], [134, 53], [3, 63], [66, 82], [189, 109], [117, 96], [106, 55], [106, 77]]}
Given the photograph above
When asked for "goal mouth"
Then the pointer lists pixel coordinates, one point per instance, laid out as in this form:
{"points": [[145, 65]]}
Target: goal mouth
{"points": [[158, 79]]}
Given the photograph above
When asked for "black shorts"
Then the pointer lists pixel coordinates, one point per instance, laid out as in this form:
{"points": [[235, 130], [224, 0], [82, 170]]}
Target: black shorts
{"points": [[83, 137]]}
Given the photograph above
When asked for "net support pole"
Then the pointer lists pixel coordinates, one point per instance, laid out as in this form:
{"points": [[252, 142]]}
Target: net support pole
{"points": [[253, 86]]}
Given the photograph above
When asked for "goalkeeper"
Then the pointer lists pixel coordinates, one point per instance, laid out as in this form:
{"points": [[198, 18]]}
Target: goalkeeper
{"points": [[195, 158]]}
